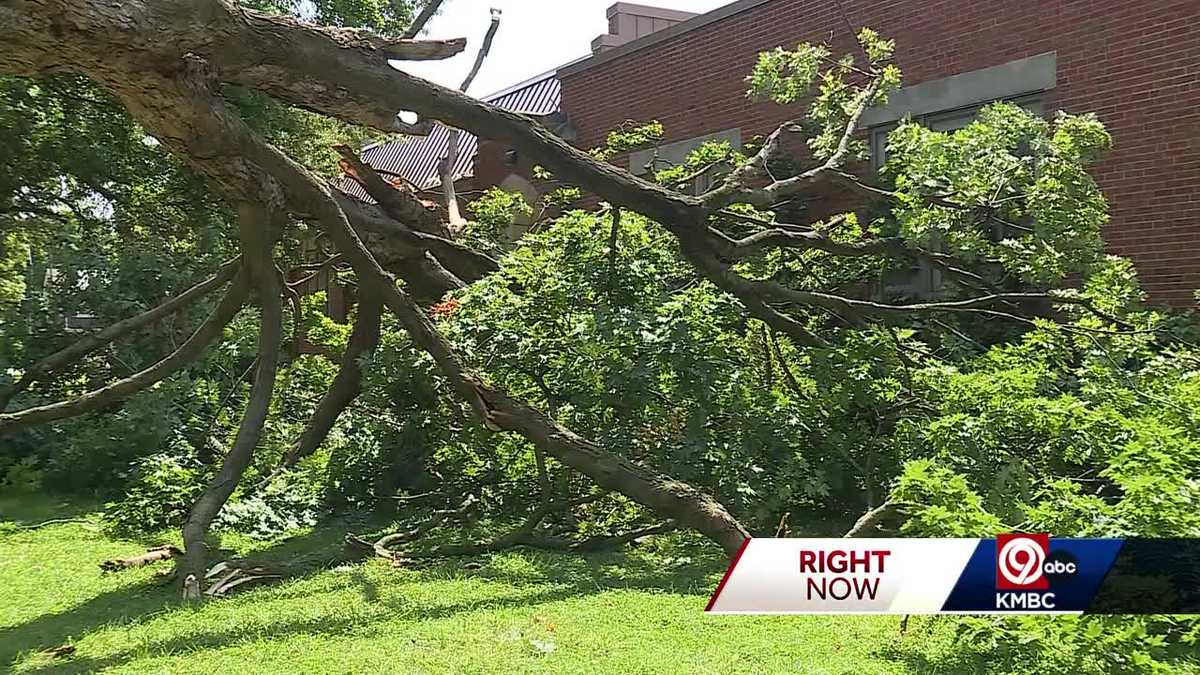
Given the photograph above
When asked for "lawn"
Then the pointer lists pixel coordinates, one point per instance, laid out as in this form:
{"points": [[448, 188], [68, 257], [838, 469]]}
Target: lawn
{"points": [[516, 612]]}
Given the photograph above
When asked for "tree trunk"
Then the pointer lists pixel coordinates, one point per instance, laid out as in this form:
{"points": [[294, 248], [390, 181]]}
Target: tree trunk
{"points": [[257, 242], [166, 61]]}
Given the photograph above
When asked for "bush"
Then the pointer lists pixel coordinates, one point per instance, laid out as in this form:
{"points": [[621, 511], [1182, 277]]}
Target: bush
{"points": [[1061, 434], [158, 496]]}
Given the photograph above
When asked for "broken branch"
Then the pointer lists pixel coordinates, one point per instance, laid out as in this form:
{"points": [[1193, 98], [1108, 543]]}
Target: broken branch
{"points": [[149, 557], [68, 355], [446, 166], [208, 332]]}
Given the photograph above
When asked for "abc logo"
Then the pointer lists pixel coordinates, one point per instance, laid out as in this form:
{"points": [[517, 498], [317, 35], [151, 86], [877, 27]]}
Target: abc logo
{"points": [[1060, 567], [1024, 562]]}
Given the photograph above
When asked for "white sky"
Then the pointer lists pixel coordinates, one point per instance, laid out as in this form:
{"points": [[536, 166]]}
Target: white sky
{"points": [[535, 36]]}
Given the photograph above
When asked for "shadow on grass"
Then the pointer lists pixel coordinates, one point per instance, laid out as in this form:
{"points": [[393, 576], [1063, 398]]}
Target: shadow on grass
{"points": [[132, 605], [30, 511], [127, 606], [964, 664], [324, 626], [635, 570], [534, 577], [961, 659]]}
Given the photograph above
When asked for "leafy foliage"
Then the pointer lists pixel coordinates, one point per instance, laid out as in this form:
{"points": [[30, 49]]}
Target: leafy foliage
{"points": [[630, 136], [1075, 435], [787, 76], [158, 497], [1084, 425]]}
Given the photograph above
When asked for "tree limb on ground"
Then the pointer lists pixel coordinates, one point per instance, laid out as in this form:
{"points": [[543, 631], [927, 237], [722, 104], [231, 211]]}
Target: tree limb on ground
{"points": [[259, 229], [148, 558]]}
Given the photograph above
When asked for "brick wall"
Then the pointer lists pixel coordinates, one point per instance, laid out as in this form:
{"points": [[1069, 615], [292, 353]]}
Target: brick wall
{"points": [[1135, 64]]}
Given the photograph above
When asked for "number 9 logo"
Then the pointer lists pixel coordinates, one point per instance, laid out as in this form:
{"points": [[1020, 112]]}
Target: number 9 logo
{"points": [[1020, 561]]}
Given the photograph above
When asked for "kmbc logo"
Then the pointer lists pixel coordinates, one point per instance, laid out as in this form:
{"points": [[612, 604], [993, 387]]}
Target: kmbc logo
{"points": [[1021, 562]]}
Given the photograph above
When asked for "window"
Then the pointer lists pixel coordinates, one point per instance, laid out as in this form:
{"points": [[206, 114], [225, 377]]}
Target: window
{"points": [[943, 121], [79, 323], [923, 280]]}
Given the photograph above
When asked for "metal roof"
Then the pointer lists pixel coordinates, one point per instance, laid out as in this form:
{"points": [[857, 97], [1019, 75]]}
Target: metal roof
{"points": [[416, 158]]}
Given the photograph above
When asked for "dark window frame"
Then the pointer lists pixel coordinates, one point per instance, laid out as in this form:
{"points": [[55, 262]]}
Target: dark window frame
{"points": [[924, 280]]}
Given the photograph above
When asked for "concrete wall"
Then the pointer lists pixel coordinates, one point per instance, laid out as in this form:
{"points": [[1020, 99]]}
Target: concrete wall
{"points": [[1136, 64]]}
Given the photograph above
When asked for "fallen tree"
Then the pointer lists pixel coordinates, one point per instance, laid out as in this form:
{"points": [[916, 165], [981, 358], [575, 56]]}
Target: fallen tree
{"points": [[168, 63]]}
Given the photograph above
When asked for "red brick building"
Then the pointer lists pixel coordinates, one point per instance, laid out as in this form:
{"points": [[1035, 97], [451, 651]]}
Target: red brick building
{"points": [[1135, 64]]}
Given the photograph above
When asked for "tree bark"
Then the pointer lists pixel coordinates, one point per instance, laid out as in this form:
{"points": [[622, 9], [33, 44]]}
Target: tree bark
{"points": [[256, 245], [347, 384]]}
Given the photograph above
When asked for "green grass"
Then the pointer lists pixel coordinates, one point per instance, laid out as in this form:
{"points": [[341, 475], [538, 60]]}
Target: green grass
{"points": [[520, 612]]}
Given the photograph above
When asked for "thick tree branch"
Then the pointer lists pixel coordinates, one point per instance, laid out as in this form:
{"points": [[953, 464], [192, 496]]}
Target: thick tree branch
{"points": [[258, 228], [347, 384], [68, 355], [464, 262], [308, 69], [365, 41], [398, 202], [208, 332], [425, 245], [678, 212], [691, 507]]}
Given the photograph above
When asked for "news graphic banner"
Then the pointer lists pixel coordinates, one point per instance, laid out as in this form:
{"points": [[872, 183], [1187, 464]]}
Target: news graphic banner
{"points": [[1014, 573]]}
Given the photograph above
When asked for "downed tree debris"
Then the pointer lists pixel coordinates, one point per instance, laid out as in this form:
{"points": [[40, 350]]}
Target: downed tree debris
{"points": [[223, 578], [59, 651], [218, 581], [149, 557], [869, 524], [524, 535]]}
